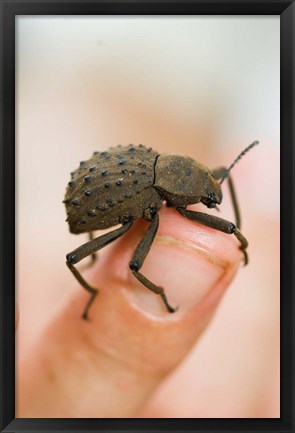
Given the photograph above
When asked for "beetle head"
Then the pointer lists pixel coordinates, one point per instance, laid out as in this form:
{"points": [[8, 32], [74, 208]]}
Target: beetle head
{"points": [[212, 199], [182, 181]]}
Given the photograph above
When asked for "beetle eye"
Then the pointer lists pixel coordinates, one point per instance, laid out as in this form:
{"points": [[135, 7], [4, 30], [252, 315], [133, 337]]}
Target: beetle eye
{"points": [[211, 196], [210, 200]]}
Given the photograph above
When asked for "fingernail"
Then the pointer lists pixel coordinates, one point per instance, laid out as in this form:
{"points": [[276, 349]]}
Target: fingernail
{"points": [[186, 271]]}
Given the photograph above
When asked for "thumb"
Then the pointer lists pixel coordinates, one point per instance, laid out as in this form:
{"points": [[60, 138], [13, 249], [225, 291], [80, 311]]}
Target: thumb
{"points": [[109, 365]]}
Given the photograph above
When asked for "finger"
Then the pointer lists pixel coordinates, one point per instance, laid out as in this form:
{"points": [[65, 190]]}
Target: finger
{"points": [[108, 366]]}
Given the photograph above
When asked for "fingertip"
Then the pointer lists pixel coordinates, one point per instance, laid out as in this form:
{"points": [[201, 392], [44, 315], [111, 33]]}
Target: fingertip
{"points": [[187, 259], [193, 263]]}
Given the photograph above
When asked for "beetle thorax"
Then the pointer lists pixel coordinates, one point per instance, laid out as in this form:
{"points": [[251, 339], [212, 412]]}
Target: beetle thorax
{"points": [[183, 181]]}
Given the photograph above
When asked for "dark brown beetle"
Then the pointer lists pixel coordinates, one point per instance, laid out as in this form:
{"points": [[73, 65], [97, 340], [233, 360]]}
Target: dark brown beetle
{"points": [[124, 184]]}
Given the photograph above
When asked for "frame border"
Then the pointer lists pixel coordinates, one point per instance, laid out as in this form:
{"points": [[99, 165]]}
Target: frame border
{"points": [[8, 11]]}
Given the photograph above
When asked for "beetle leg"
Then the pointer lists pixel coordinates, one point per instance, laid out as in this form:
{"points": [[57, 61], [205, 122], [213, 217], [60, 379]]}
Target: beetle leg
{"points": [[90, 248], [218, 173], [217, 224], [93, 255], [139, 256], [92, 290]]}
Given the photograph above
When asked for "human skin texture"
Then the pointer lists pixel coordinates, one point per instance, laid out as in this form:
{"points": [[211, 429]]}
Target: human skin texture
{"points": [[130, 343]]}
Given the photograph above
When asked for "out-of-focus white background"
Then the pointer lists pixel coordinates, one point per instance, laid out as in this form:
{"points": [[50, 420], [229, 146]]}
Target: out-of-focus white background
{"points": [[201, 86]]}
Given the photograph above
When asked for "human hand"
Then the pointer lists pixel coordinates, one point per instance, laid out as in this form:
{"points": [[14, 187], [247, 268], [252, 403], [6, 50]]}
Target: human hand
{"points": [[110, 365]]}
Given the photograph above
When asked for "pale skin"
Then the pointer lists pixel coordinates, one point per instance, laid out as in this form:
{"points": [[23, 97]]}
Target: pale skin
{"points": [[112, 364]]}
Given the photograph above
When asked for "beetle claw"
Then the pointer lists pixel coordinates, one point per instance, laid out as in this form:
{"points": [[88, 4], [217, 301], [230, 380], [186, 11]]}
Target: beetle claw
{"points": [[172, 309]]}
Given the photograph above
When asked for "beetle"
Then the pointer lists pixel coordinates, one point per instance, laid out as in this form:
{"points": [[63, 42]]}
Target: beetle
{"points": [[126, 183]]}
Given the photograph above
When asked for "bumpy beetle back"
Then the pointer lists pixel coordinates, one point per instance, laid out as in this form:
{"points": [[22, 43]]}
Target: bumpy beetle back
{"points": [[109, 187]]}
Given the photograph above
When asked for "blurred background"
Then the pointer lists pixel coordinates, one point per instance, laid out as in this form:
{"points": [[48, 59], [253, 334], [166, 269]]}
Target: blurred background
{"points": [[201, 86]]}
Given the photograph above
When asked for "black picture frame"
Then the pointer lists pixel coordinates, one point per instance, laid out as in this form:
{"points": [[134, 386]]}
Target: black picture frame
{"points": [[9, 10]]}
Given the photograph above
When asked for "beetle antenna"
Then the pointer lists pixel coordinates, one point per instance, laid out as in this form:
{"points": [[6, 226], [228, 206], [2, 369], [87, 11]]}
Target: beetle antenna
{"points": [[237, 159]]}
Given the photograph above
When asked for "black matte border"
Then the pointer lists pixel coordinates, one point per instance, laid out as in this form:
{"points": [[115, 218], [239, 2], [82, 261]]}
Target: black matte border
{"points": [[8, 10]]}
